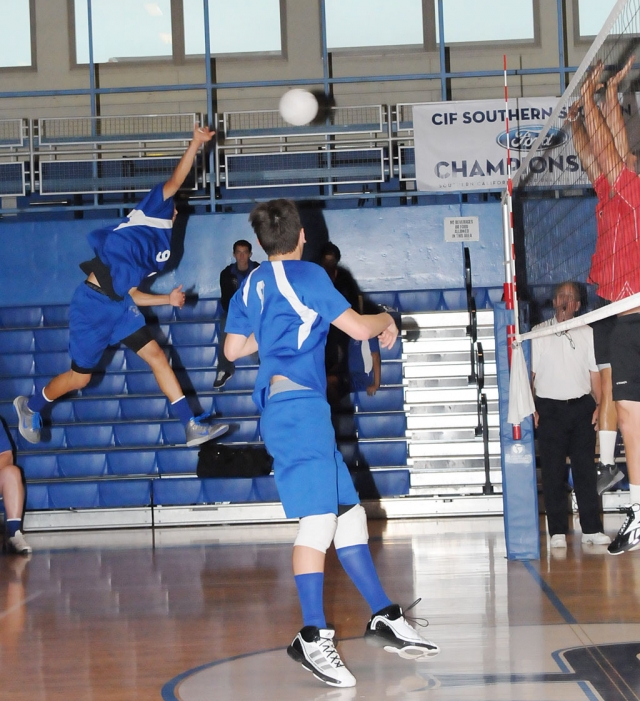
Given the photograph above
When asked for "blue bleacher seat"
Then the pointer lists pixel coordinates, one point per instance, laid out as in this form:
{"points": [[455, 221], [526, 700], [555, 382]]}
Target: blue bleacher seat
{"points": [[74, 495], [113, 360], [132, 462], [142, 383], [207, 404], [233, 490], [202, 310], [199, 380], [420, 300], [97, 409], [50, 340], [13, 341], [381, 425], [16, 364], [391, 373], [160, 313], [11, 387], [264, 489], [140, 433], [177, 461], [150, 408], [125, 493], [349, 451], [82, 464], [194, 357], [382, 453], [193, 334], [242, 431], [55, 315], [389, 299], [61, 411], [385, 399], [39, 466], [38, 497], [455, 299], [89, 436], [344, 424], [53, 438], [134, 362], [52, 363], [393, 353], [228, 404], [107, 385], [392, 483], [242, 379], [494, 295], [20, 317], [173, 433], [181, 491]]}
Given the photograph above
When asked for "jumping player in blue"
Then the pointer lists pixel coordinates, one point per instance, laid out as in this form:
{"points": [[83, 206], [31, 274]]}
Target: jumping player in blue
{"points": [[284, 309], [12, 493], [104, 309]]}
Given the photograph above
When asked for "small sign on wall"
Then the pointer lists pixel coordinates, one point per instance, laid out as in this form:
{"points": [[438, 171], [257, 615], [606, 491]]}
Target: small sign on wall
{"points": [[461, 229]]}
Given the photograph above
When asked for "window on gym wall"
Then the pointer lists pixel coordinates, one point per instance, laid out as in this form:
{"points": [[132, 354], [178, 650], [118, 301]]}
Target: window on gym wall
{"points": [[16, 48], [591, 16], [123, 30], [240, 26], [373, 23], [489, 20]]}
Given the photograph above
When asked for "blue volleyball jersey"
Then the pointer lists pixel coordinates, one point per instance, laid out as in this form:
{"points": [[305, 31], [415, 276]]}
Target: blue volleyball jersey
{"points": [[361, 362], [289, 306], [140, 245]]}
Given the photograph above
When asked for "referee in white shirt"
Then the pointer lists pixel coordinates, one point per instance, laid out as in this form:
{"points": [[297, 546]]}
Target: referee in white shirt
{"points": [[566, 384]]}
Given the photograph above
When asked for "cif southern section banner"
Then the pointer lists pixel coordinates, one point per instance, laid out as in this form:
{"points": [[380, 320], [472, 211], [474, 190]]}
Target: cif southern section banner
{"points": [[462, 146]]}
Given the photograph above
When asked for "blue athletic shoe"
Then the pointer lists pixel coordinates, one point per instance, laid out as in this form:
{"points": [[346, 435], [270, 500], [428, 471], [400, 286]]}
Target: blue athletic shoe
{"points": [[29, 422]]}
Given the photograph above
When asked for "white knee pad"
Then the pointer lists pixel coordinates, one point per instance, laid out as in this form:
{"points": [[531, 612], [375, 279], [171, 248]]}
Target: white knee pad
{"points": [[316, 531], [352, 528]]}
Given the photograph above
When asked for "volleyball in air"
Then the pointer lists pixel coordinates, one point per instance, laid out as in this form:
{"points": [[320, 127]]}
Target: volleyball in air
{"points": [[298, 107]]}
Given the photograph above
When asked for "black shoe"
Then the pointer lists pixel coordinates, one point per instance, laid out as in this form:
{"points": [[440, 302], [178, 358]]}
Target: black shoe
{"points": [[628, 537], [221, 379], [313, 648], [389, 629], [608, 475]]}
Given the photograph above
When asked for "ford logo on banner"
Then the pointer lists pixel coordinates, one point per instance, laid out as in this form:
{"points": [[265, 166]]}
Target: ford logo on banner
{"points": [[522, 138]]}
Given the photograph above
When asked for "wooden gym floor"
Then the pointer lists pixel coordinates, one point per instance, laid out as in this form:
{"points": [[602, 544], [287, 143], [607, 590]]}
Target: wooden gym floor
{"points": [[207, 614]]}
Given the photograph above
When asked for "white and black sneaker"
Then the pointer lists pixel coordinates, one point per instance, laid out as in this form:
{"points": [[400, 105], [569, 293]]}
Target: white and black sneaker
{"points": [[198, 432], [628, 537], [313, 648], [389, 629], [17, 545]]}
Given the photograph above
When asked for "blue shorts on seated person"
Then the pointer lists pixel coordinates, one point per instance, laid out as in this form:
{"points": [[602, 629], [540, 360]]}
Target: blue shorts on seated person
{"points": [[96, 322], [309, 471], [5, 443]]}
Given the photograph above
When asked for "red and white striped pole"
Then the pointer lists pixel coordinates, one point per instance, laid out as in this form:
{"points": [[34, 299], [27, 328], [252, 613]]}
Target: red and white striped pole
{"points": [[510, 298]]}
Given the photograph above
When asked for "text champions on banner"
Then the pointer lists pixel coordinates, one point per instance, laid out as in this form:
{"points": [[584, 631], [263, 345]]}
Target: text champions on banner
{"points": [[463, 145]]}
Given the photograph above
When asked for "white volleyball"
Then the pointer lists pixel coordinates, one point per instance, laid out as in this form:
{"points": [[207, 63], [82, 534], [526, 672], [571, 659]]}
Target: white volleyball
{"points": [[298, 107]]}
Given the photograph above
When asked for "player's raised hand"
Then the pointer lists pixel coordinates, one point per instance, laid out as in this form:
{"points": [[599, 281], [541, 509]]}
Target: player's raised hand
{"points": [[177, 297], [616, 79], [202, 134], [592, 81]]}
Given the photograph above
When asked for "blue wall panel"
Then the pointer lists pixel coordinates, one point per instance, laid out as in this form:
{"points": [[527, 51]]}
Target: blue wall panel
{"points": [[390, 248]]}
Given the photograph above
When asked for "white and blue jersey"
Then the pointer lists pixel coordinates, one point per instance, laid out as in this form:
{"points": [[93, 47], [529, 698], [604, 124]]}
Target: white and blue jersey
{"points": [[289, 306], [361, 362], [140, 245]]}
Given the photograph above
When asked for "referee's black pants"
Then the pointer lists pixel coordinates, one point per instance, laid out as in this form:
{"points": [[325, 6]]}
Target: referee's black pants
{"points": [[565, 430]]}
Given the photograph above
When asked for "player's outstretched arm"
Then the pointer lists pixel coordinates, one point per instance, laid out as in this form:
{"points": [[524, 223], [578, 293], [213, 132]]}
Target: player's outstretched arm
{"points": [[363, 327], [238, 346], [600, 137], [175, 298], [581, 142], [613, 114], [201, 135]]}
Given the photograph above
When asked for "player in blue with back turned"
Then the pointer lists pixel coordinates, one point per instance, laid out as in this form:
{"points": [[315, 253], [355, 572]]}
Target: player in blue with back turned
{"points": [[104, 309], [283, 310], [12, 493]]}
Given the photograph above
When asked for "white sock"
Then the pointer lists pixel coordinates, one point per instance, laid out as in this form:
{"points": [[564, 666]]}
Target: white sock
{"points": [[607, 440], [634, 493]]}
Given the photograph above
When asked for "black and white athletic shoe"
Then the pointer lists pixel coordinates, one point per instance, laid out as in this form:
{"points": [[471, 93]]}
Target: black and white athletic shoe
{"points": [[628, 537], [389, 629], [313, 648], [608, 476]]}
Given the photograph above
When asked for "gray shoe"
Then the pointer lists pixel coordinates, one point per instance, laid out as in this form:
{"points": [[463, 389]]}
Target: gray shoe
{"points": [[198, 432], [608, 475], [17, 545], [29, 422]]}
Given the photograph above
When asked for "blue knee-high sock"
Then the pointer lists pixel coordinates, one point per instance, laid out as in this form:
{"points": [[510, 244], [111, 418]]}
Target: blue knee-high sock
{"points": [[358, 564], [12, 526], [311, 601], [181, 410], [38, 401]]}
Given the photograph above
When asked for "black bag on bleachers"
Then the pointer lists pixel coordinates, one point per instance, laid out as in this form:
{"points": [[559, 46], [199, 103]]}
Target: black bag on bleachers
{"points": [[219, 460]]}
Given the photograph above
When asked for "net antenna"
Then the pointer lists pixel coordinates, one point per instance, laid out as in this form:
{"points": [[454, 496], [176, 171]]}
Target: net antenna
{"points": [[584, 155]]}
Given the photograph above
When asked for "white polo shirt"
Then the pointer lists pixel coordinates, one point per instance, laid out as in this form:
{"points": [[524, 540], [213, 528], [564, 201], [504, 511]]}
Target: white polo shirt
{"points": [[562, 362]]}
